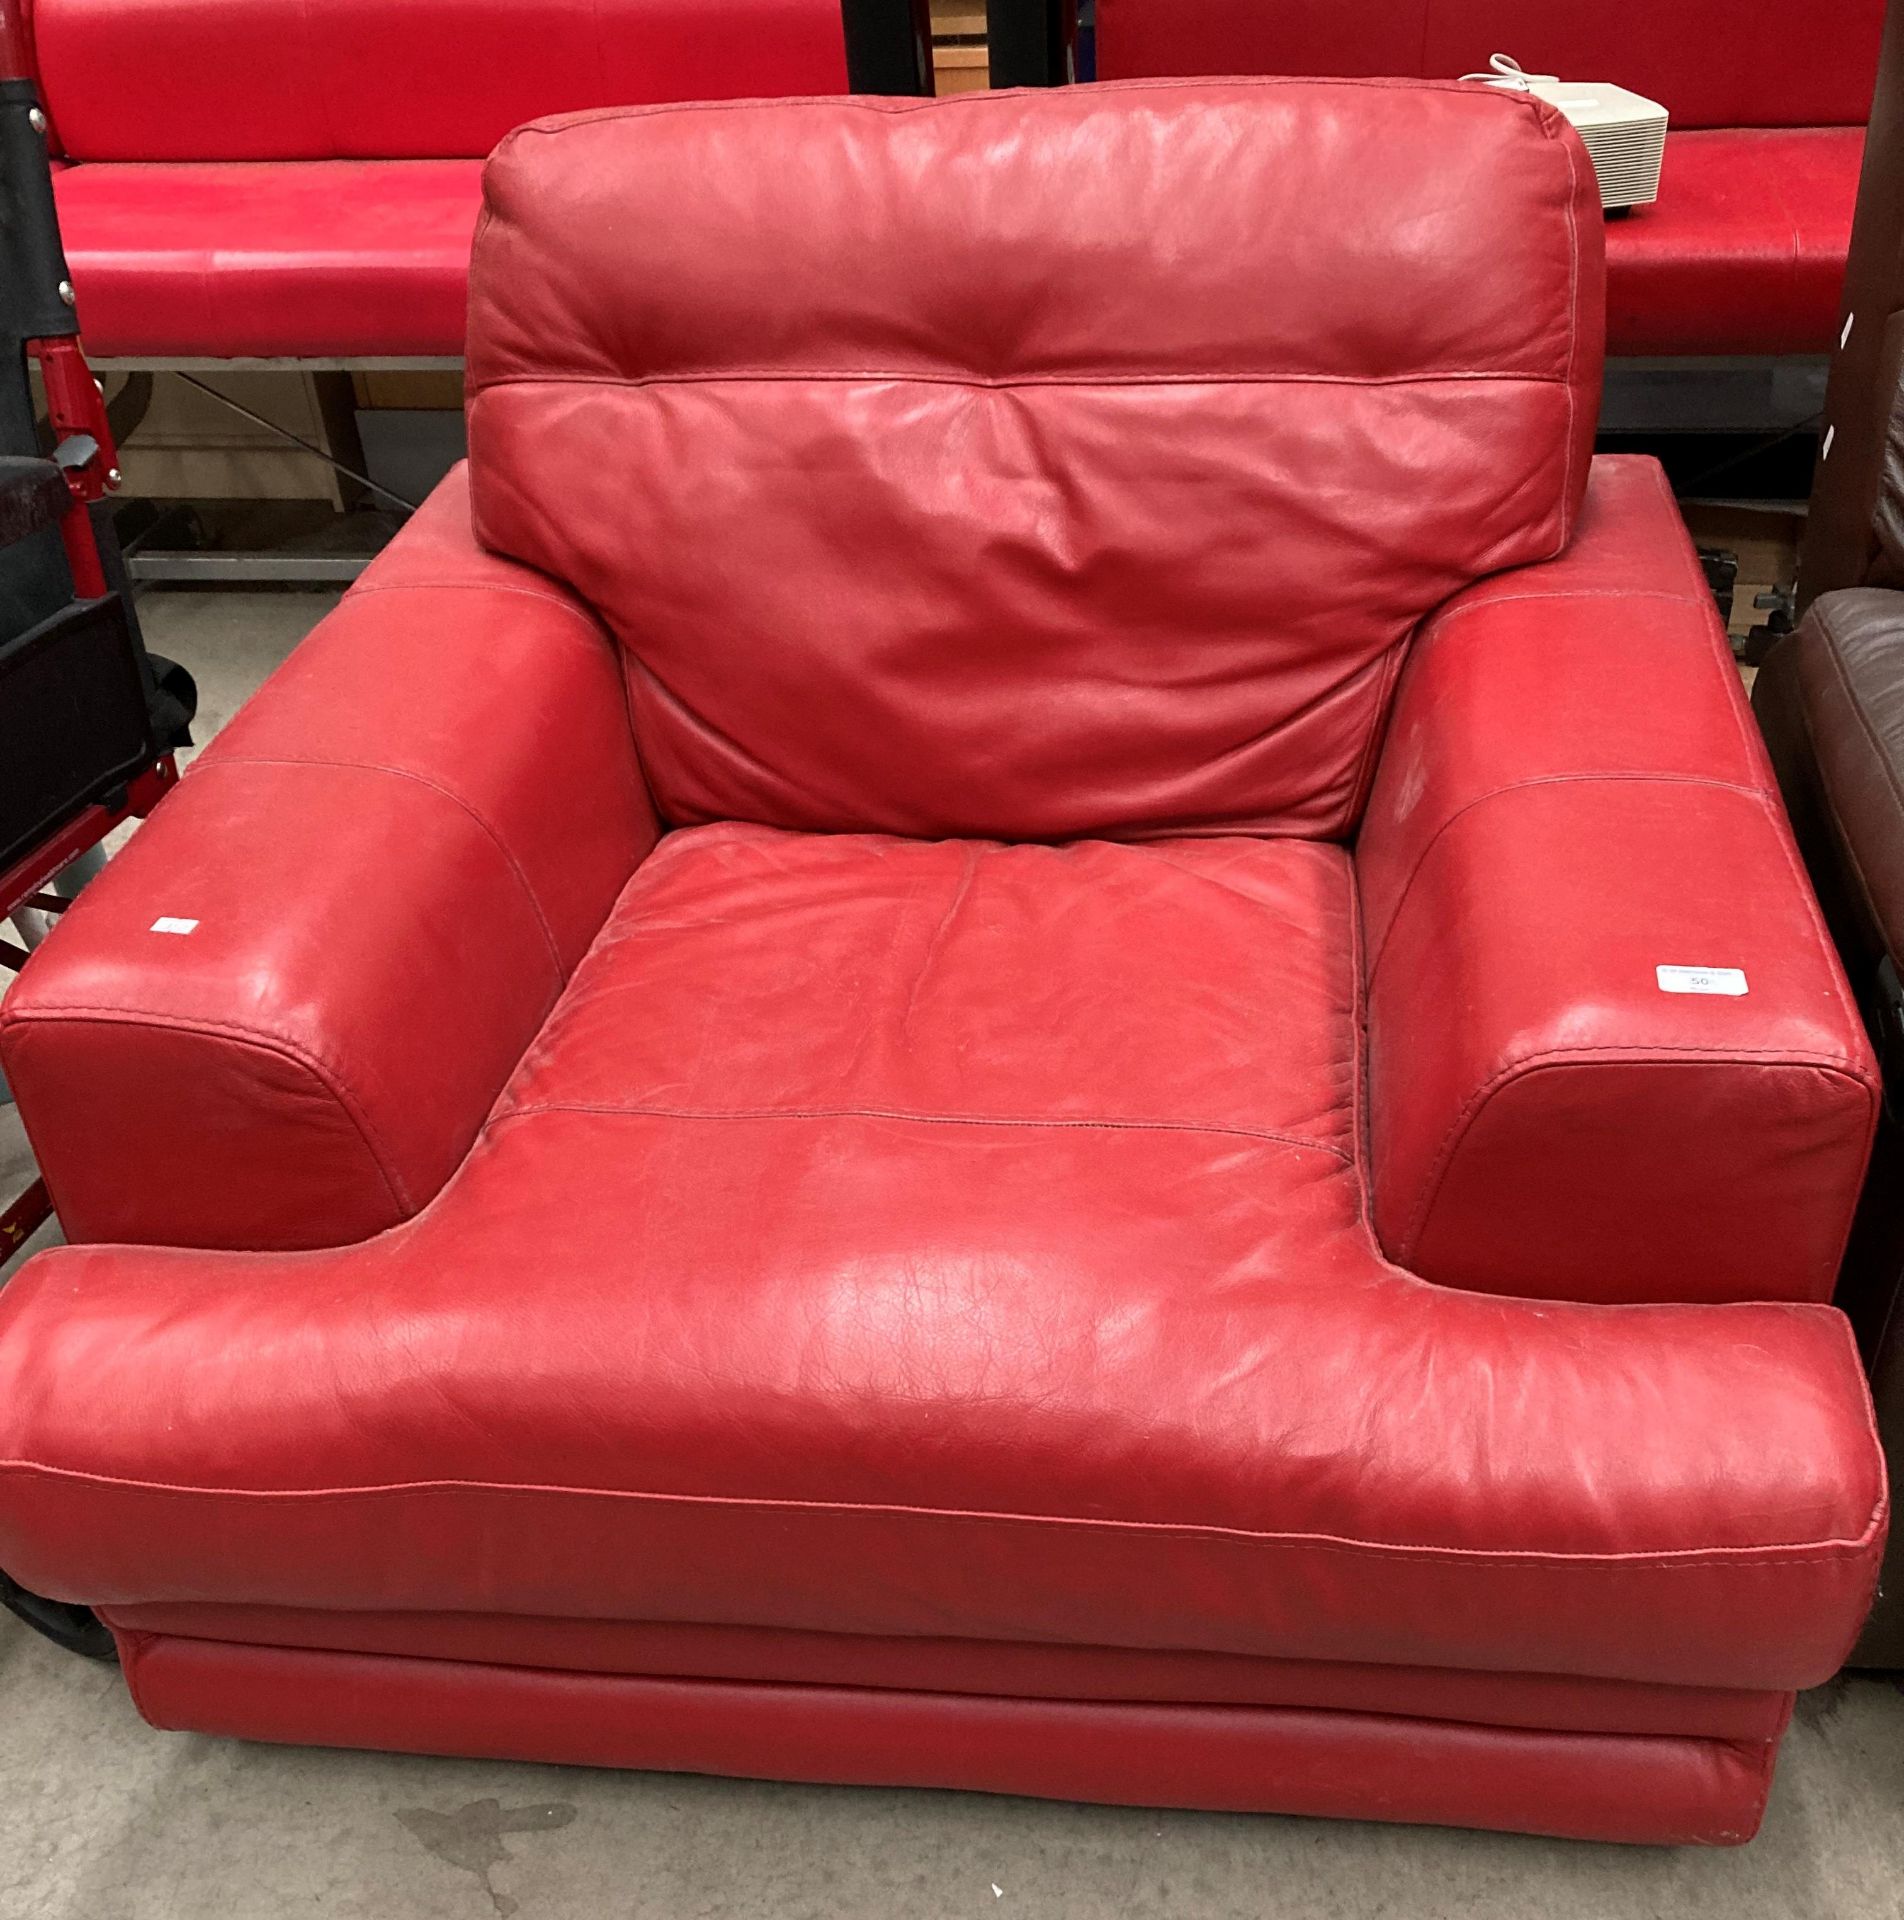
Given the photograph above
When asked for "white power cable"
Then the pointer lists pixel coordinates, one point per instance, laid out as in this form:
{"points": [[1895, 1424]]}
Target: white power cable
{"points": [[1508, 72]]}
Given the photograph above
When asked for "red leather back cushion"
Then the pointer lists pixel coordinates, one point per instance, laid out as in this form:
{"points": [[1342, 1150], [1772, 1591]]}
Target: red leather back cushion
{"points": [[1032, 465], [1712, 63], [400, 79]]}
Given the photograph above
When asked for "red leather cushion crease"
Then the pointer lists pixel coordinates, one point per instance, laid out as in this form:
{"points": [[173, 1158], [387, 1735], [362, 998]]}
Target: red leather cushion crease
{"points": [[1539, 1702]]}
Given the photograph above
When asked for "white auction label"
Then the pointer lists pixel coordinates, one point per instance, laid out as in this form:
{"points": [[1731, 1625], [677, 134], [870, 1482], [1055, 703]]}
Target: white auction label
{"points": [[1727, 980], [170, 923]]}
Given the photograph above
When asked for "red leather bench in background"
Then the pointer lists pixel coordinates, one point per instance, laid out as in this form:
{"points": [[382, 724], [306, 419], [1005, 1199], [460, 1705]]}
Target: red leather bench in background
{"points": [[1743, 253], [269, 179]]}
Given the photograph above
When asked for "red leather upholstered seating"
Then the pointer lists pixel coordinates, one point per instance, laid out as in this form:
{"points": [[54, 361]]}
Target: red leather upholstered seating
{"points": [[1744, 251], [252, 178], [1000, 1114]]}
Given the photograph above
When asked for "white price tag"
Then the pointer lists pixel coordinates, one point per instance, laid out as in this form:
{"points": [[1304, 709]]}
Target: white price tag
{"points": [[1729, 981], [166, 923]]}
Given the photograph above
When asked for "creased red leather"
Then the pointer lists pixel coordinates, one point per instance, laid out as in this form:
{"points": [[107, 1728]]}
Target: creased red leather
{"points": [[1542, 1703], [387, 894], [1651, 1790], [1544, 1118], [1085, 562]]}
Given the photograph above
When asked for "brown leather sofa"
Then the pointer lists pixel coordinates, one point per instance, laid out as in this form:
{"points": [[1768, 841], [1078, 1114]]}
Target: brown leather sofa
{"points": [[1841, 530], [1830, 699]]}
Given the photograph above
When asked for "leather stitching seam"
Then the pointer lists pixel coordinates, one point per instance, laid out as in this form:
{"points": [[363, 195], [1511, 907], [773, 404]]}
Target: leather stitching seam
{"points": [[597, 632], [1570, 492], [1623, 777], [1838, 1549], [1086, 1121], [554, 125], [422, 780], [1480, 599], [1377, 730], [895, 376]]}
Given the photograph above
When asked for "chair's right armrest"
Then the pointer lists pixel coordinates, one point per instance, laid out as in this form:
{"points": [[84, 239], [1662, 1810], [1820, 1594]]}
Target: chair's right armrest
{"points": [[281, 1014], [1611, 1053]]}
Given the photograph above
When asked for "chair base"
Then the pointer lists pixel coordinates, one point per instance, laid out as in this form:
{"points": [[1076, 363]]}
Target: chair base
{"points": [[1659, 1789]]}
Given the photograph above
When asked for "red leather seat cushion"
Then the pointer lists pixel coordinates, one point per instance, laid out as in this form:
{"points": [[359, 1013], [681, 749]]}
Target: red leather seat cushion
{"points": [[1744, 251], [303, 257], [898, 1237], [1189, 985]]}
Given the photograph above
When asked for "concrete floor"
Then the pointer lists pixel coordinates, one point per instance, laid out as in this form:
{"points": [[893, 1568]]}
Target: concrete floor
{"points": [[103, 1819]]}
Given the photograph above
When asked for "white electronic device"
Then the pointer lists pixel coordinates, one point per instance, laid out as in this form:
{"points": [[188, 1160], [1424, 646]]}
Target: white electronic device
{"points": [[1624, 133]]}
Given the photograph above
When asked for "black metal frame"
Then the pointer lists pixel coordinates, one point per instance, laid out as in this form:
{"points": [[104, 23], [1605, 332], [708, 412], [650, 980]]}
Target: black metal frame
{"points": [[32, 270], [81, 712], [1033, 42], [888, 45], [77, 1629], [87, 731]]}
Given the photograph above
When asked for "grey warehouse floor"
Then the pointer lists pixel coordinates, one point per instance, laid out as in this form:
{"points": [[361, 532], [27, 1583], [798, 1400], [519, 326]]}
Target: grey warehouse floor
{"points": [[103, 1819]]}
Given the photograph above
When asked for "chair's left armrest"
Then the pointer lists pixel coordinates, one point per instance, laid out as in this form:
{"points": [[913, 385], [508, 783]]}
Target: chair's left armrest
{"points": [[280, 1016], [1611, 1052]]}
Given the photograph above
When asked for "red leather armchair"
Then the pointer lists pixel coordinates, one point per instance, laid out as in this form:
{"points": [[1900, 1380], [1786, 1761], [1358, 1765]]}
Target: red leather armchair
{"points": [[1744, 251], [1124, 1204]]}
